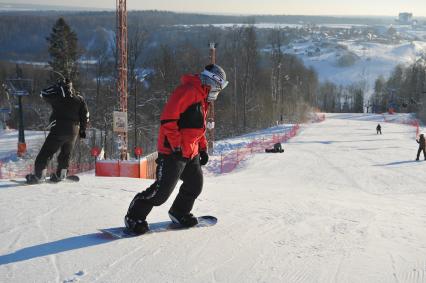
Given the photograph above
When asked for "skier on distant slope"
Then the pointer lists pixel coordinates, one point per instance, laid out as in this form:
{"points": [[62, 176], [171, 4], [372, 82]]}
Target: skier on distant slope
{"points": [[422, 146], [68, 120], [379, 129], [182, 149]]}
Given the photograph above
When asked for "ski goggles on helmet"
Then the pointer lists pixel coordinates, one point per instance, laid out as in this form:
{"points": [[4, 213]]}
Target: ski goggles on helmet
{"points": [[220, 81]]}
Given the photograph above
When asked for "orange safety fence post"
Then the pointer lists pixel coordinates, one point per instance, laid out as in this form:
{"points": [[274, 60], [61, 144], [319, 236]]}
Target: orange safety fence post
{"points": [[22, 149]]}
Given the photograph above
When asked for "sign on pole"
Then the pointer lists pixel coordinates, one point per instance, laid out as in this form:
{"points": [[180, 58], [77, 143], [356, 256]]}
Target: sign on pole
{"points": [[20, 88], [120, 122]]}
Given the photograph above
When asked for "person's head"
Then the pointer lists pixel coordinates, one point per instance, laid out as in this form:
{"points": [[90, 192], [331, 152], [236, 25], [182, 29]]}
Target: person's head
{"points": [[422, 136], [214, 77], [67, 86]]}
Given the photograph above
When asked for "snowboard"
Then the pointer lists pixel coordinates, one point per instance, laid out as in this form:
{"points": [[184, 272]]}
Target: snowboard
{"points": [[68, 179], [123, 232]]}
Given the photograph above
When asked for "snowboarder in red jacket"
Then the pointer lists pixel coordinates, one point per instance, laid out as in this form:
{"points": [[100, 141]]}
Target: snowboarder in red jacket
{"points": [[182, 149]]}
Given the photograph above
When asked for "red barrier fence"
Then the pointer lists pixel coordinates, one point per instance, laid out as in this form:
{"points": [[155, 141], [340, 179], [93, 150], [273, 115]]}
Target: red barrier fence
{"points": [[408, 121], [230, 160], [10, 170], [143, 168]]}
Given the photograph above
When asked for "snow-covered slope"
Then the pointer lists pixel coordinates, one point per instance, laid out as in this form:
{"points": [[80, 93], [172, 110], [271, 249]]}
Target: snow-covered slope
{"points": [[342, 204]]}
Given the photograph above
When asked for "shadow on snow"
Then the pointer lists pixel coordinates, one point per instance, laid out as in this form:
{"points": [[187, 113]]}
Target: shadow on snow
{"points": [[55, 247], [398, 163]]}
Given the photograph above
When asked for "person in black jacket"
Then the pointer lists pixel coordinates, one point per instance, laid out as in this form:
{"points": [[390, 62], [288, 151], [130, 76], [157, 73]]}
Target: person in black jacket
{"points": [[69, 120], [422, 146]]}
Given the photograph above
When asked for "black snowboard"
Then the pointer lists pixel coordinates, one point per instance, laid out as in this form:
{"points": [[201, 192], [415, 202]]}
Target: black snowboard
{"points": [[71, 178], [122, 232], [68, 179]]}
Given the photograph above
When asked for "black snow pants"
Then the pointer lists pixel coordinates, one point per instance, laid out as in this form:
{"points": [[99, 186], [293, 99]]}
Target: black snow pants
{"points": [[169, 171], [419, 151], [63, 137]]}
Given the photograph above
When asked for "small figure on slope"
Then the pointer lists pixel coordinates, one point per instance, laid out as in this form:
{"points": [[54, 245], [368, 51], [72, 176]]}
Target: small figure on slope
{"points": [[422, 146], [68, 120], [182, 149], [379, 129], [277, 149]]}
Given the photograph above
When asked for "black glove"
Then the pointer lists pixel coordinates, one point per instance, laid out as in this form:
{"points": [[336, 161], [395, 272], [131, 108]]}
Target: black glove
{"points": [[177, 155], [204, 157], [82, 134]]}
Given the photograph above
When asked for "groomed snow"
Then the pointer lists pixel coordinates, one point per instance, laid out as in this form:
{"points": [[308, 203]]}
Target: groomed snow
{"points": [[341, 204]]}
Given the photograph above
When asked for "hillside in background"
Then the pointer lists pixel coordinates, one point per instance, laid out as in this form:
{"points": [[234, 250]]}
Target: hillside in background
{"points": [[22, 33]]}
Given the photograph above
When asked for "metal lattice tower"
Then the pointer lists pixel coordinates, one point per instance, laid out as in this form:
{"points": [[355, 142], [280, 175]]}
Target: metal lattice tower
{"points": [[121, 40]]}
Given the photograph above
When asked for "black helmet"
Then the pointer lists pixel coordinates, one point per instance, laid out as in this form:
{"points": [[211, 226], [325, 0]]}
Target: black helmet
{"points": [[66, 86], [214, 76]]}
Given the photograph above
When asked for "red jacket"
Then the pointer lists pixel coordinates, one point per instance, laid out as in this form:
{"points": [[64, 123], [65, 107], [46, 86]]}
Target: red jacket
{"points": [[183, 120]]}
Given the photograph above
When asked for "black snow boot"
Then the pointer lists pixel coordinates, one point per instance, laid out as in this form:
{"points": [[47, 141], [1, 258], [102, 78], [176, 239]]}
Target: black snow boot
{"points": [[36, 178], [58, 176], [187, 220], [138, 227], [33, 179]]}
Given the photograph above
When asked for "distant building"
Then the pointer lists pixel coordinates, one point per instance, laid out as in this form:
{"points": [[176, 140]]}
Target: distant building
{"points": [[405, 18]]}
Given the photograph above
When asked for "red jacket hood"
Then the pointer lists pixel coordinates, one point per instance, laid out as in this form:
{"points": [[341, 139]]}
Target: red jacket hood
{"points": [[195, 81]]}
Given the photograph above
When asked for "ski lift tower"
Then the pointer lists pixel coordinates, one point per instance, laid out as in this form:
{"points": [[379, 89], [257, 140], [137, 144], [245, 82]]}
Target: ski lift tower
{"points": [[20, 88], [121, 41], [210, 117]]}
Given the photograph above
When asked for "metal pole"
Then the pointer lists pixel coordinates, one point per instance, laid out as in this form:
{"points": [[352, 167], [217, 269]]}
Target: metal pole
{"points": [[21, 121], [121, 15], [22, 147], [211, 115], [136, 119]]}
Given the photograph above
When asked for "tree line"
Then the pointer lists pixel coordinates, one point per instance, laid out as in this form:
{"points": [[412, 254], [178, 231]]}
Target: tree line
{"points": [[22, 34], [403, 91]]}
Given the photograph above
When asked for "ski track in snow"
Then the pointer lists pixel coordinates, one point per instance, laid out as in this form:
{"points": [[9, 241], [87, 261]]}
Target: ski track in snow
{"points": [[342, 204], [44, 231]]}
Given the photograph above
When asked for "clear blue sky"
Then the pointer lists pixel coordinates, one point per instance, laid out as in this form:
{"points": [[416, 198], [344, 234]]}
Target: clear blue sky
{"points": [[290, 7]]}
